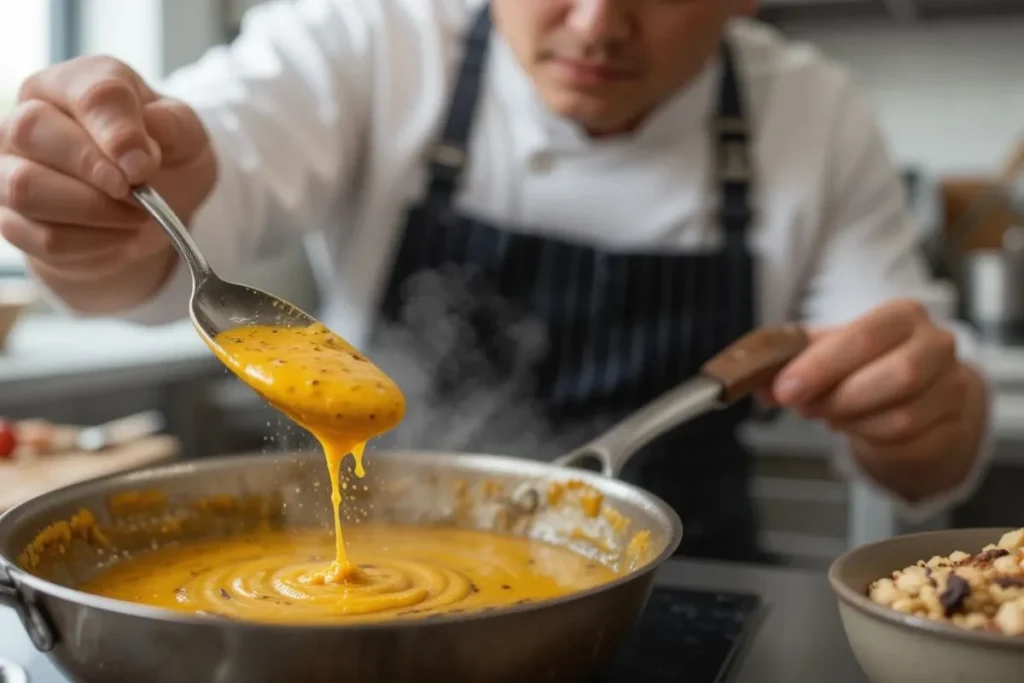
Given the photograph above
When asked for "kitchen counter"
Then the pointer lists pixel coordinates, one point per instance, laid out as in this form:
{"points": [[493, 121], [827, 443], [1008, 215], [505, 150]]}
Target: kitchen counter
{"points": [[51, 355], [800, 640]]}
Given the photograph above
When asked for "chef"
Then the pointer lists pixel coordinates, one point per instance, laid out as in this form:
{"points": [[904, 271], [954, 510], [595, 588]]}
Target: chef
{"points": [[642, 181]]}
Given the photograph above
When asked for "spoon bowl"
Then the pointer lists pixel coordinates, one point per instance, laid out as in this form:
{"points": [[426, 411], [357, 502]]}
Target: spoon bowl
{"points": [[220, 305], [324, 384]]}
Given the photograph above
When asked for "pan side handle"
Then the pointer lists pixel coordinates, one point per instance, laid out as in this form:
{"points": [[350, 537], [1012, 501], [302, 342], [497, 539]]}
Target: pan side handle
{"points": [[744, 367], [37, 624]]}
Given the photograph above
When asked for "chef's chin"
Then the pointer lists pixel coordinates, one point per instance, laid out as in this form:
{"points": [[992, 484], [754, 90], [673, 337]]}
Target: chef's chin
{"points": [[599, 112]]}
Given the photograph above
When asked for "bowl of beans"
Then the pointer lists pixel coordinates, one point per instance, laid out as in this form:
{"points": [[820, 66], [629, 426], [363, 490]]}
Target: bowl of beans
{"points": [[936, 607]]}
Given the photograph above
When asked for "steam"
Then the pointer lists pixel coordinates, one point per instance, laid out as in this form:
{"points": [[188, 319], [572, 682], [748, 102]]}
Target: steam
{"points": [[465, 359]]}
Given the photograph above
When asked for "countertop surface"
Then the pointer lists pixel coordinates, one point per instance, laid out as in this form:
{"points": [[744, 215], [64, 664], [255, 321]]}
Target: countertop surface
{"points": [[45, 345], [800, 640], [52, 355]]}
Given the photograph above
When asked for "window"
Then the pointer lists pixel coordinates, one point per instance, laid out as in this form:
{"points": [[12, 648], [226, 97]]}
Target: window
{"points": [[24, 46], [32, 34]]}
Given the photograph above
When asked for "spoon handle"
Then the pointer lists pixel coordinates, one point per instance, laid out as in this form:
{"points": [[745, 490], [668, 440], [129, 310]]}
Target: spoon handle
{"points": [[176, 230]]}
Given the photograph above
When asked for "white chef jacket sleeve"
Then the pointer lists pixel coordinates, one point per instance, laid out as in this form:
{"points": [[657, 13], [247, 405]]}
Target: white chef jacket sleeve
{"points": [[285, 106], [868, 256]]}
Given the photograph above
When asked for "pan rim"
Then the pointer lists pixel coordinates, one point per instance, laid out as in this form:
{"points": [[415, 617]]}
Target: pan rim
{"points": [[523, 466]]}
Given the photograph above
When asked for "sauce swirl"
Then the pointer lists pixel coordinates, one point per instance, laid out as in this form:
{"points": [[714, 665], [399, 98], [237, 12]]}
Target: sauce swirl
{"points": [[405, 572]]}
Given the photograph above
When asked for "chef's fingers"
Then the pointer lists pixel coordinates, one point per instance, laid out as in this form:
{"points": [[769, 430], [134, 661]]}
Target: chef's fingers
{"points": [[834, 356], [62, 245], [909, 421], [939, 439], [177, 130], [106, 98], [44, 195], [766, 396], [40, 132], [901, 375]]}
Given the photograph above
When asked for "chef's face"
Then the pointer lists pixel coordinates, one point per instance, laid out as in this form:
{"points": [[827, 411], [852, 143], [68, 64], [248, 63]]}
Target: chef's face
{"points": [[607, 63]]}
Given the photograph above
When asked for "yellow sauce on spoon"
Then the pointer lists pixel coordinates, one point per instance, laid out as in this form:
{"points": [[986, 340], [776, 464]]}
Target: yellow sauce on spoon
{"points": [[328, 387]]}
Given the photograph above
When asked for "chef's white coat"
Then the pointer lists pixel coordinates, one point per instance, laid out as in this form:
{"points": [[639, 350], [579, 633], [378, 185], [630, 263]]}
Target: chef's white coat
{"points": [[322, 111]]}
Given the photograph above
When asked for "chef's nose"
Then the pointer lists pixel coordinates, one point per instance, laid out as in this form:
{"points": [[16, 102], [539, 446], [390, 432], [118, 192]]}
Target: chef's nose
{"points": [[600, 19]]}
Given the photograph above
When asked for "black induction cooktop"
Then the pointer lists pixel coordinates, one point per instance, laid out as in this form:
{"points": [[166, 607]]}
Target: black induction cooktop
{"points": [[687, 636]]}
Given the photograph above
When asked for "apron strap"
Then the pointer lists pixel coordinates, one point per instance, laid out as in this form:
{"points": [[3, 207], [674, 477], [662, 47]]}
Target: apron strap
{"points": [[448, 155], [733, 165]]}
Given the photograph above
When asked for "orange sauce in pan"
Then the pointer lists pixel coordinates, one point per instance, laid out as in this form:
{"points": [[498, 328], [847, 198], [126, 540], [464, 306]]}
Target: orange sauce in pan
{"points": [[404, 572], [326, 386]]}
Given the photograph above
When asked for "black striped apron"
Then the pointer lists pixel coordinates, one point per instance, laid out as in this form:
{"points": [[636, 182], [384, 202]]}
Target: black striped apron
{"points": [[532, 345]]}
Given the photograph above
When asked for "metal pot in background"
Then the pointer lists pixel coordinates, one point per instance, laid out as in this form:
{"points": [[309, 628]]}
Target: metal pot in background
{"points": [[927, 211], [990, 281], [991, 285]]}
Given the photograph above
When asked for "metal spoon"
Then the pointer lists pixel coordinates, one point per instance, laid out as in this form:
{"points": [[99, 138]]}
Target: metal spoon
{"points": [[218, 305]]}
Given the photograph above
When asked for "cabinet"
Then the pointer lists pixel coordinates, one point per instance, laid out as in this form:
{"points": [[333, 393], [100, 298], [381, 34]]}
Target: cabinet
{"points": [[900, 10]]}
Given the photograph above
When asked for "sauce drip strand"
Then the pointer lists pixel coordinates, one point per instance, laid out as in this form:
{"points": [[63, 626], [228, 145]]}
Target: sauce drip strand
{"points": [[326, 386], [406, 572]]}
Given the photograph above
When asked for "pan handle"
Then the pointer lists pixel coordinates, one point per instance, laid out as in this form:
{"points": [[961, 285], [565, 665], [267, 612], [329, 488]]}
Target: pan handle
{"points": [[37, 624], [744, 367]]}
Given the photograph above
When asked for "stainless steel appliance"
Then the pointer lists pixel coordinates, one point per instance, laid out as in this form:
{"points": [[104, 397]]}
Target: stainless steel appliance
{"points": [[991, 281]]}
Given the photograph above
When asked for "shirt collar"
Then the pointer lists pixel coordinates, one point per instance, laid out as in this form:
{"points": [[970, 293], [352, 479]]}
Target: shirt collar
{"points": [[543, 130]]}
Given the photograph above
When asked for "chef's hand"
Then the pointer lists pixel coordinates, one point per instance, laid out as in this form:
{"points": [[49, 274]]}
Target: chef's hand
{"points": [[891, 382], [82, 133]]}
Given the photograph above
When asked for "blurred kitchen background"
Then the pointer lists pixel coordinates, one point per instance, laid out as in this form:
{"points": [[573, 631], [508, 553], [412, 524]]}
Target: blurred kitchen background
{"points": [[947, 77]]}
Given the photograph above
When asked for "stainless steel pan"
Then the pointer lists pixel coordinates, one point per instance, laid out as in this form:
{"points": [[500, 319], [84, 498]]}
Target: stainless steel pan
{"points": [[566, 639]]}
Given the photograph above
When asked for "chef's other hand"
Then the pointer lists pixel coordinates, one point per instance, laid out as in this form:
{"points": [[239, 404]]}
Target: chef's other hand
{"points": [[83, 132], [891, 381]]}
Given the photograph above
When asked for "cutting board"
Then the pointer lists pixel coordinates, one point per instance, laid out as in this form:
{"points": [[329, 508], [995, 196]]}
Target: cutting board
{"points": [[20, 481]]}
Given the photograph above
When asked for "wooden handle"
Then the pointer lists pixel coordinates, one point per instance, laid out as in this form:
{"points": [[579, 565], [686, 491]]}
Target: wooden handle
{"points": [[752, 362]]}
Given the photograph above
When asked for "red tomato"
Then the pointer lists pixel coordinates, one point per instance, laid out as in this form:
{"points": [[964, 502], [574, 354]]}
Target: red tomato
{"points": [[7, 439]]}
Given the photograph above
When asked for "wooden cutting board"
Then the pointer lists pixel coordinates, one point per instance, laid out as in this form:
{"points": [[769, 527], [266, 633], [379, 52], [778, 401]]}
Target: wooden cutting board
{"points": [[20, 481]]}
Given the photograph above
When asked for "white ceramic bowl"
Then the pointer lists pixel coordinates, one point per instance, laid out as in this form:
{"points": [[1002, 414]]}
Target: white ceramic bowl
{"points": [[893, 647]]}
